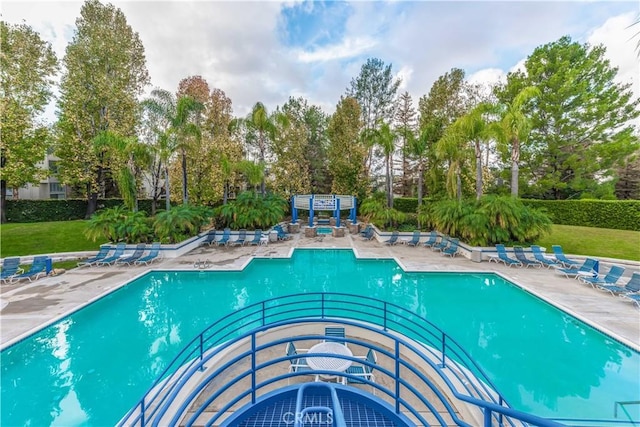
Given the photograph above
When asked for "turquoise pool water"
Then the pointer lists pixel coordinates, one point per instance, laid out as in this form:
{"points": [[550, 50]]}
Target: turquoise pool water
{"points": [[324, 230], [91, 367]]}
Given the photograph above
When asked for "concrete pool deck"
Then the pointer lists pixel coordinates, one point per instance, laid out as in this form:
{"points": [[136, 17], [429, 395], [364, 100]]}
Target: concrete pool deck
{"points": [[26, 307]]}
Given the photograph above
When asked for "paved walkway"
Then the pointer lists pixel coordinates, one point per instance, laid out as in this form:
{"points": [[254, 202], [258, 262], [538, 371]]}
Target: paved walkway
{"points": [[26, 307]]}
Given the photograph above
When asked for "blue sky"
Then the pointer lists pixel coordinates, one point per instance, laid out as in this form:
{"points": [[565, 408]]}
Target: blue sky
{"points": [[267, 50]]}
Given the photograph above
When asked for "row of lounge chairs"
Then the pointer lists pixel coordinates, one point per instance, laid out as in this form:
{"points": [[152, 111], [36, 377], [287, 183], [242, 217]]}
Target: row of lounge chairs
{"points": [[211, 238], [444, 244], [119, 257], [11, 271]]}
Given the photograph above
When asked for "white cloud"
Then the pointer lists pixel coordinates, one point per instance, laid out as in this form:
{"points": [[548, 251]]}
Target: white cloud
{"points": [[349, 48], [488, 76]]}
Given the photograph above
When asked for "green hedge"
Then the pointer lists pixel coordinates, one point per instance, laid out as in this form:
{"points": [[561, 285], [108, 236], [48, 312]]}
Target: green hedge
{"points": [[60, 209], [406, 204], [615, 214]]}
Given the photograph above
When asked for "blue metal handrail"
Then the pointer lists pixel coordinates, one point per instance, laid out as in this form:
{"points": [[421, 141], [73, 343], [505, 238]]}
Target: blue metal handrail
{"points": [[314, 306]]}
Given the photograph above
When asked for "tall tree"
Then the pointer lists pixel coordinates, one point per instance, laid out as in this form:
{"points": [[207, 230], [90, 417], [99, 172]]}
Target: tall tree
{"points": [[384, 138], [447, 100], [581, 121], [628, 183], [346, 152], [316, 122], [375, 90], [406, 116], [260, 132], [105, 73], [27, 67]]}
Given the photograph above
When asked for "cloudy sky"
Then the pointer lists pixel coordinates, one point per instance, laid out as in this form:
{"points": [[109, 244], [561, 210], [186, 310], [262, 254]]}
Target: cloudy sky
{"points": [[267, 51]]}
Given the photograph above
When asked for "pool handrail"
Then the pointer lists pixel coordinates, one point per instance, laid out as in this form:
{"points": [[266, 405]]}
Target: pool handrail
{"points": [[391, 317]]}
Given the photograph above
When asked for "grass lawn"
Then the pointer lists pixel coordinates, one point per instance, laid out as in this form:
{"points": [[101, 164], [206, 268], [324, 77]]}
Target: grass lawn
{"points": [[45, 238], [596, 242]]}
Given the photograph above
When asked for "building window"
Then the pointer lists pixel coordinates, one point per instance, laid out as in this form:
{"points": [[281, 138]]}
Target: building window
{"points": [[53, 167], [56, 190]]}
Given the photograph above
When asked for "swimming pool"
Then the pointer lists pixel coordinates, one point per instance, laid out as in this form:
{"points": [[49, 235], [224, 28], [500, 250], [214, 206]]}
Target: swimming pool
{"points": [[91, 367]]}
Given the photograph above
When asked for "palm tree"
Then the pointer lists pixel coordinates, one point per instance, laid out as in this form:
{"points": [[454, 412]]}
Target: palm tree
{"points": [[176, 132], [513, 129], [261, 129], [385, 138]]}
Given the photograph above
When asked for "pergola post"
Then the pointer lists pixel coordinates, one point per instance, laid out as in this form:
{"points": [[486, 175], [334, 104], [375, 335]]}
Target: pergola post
{"points": [[294, 211], [337, 211], [311, 211]]}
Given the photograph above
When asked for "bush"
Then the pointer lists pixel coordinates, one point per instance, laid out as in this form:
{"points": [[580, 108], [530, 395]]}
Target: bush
{"points": [[60, 209], [615, 214], [251, 210]]}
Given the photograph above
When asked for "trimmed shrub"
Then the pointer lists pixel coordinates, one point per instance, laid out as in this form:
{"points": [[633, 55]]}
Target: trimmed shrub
{"points": [[615, 214], [406, 204]]}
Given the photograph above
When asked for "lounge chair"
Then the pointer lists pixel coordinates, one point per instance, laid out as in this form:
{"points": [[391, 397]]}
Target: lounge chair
{"points": [[443, 243], [562, 258], [588, 268], [369, 233], [282, 235], [209, 238], [415, 240], [363, 372], [520, 256], [615, 272], [38, 268], [151, 256], [336, 333], [452, 249], [367, 229], [102, 254], [136, 255], [540, 257], [257, 238], [504, 258], [225, 237], [120, 248], [10, 268], [393, 239], [634, 297], [631, 287], [242, 237], [431, 240]]}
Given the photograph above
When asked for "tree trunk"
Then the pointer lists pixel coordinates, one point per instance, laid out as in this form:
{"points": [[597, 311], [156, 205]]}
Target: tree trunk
{"points": [[225, 193], [478, 170], [458, 185], [3, 201], [515, 168], [92, 203], [420, 177], [167, 201], [185, 194]]}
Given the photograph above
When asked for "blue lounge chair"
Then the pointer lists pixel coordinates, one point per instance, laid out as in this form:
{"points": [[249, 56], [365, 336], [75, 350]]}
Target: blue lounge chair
{"points": [[367, 229], [336, 333], [225, 237], [120, 248], [615, 272], [282, 235], [136, 255], [634, 297], [431, 240], [588, 269], [452, 249], [415, 240], [504, 258], [363, 372], [540, 257], [443, 243], [209, 238], [151, 256], [393, 239], [369, 233], [520, 256], [242, 237], [10, 268], [631, 287], [561, 257], [102, 254], [38, 268], [257, 238]]}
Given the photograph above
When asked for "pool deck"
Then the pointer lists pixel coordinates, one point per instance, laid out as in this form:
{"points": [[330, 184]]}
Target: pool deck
{"points": [[26, 307]]}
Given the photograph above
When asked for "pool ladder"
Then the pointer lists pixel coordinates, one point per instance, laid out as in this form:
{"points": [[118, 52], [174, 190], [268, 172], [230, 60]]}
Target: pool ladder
{"points": [[334, 415]]}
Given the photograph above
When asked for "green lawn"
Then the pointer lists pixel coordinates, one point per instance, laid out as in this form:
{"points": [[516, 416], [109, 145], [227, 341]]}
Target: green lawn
{"points": [[45, 238], [596, 242]]}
